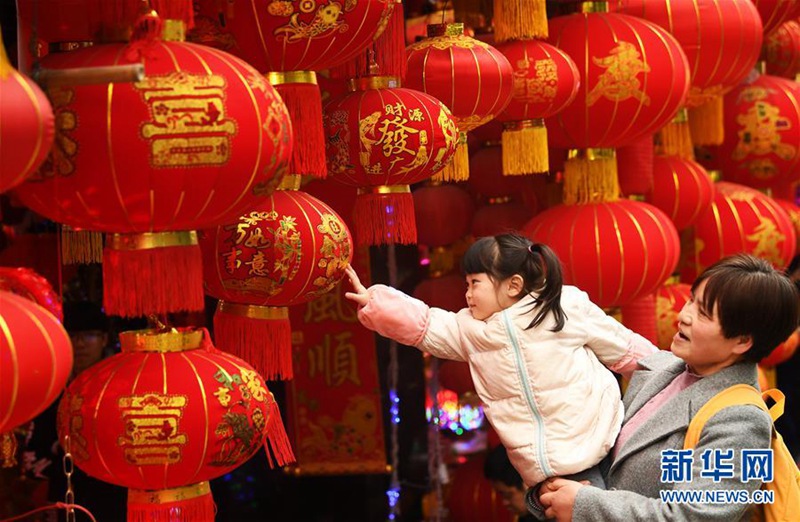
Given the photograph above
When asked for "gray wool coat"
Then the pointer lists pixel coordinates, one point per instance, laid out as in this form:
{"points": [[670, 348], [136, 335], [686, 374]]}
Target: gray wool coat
{"points": [[634, 477]]}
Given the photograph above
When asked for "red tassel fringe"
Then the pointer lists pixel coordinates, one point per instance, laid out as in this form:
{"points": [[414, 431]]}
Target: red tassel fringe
{"points": [[152, 281], [266, 344], [382, 219], [640, 316], [304, 103], [277, 445], [198, 509]]}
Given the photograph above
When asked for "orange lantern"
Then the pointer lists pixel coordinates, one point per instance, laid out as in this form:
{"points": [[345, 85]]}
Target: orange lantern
{"points": [[783, 352], [197, 142], [165, 416], [762, 125], [545, 81], [288, 41], [290, 249], [670, 299], [681, 188], [793, 211], [27, 131], [740, 219], [614, 251], [782, 50], [473, 79], [382, 138], [776, 12]]}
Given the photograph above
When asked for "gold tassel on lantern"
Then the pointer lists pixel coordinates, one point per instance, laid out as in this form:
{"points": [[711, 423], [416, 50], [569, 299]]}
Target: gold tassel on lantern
{"points": [[590, 176], [525, 148], [80, 246], [8, 450], [458, 168], [706, 122], [675, 137], [520, 20]]}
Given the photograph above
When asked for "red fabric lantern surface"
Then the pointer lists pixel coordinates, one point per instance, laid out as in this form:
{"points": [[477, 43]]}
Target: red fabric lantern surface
{"points": [[681, 188], [166, 415], [793, 211], [36, 356], [783, 352], [740, 219], [670, 299], [762, 129], [615, 251], [290, 249], [782, 50], [26, 283], [545, 81], [27, 131], [472, 498], [501, 218], [381, 139], [635, 167], [775, 12], [196, 143], [444, 214], [473, 79]]}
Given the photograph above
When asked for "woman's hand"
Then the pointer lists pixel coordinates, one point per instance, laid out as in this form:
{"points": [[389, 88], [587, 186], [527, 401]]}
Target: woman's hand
{"points": [[360, 296], [557, 495]]}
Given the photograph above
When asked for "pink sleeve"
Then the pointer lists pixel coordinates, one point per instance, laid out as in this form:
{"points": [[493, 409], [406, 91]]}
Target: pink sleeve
{"points": [[638, 348], [395, 315]]}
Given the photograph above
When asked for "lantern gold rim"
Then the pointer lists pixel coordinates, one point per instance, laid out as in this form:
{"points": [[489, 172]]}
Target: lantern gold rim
{"points": [[150, 340], [594, 7], [253, 311], [447, 29], [385, 189], [279, 78], [373, 82], [533, 123], [166, 496], [149, 240], [591, 154], [173, 31]]}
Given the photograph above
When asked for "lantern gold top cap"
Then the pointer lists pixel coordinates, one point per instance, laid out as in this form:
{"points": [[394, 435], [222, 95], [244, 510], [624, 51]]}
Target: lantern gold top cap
{"points": [[373, 82], [456, 29], [594, 7], [160, 341]]}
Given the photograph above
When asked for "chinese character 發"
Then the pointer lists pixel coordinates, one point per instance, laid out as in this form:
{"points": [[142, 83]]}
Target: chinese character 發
{"points": [[757, 465], [676, 465], [717, 464]]}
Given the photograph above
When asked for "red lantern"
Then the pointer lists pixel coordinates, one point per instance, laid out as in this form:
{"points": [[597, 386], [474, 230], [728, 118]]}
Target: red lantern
{"points": [[545, 81], [776, 12], [456, 376], [722, 41], [197, 142], [289, 40], [681, 188], [740, 219], [165, 416], [783, 352], [762, 126], [670, 299], [472, 78], [37, 359], [782, 50], [383, 139], [501, 218], [614, 251], [444, 214], [635, 167], [793, 211], [290, 249], [28, 284], [27, 131], [472, 497]]}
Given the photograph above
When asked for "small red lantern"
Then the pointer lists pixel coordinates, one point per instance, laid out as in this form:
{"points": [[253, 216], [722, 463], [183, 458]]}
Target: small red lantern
{"points": [[615, 251], [196, 143], [762, 126], [382, 139], [27, 131], [36, 356], [545, 81], [165, 416], [290, 249], [782, 50], [444, 214], [681, 188], [776, 12], [740, 219], [670, 299], [473, 79]]}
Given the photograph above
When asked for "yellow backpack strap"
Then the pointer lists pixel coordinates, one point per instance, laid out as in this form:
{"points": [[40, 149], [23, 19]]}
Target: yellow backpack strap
{"points": [[738, 394]]}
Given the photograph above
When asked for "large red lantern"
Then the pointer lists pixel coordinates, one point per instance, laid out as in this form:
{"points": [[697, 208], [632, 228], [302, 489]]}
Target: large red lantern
{"points": [[722, 41], [36, 356], [545, 81], [290, 249], [776, 12], [473, 79], [27, 130], [196, 143], [165, 416], [782, 50], [682, 189], [762, 129], [382, 139], [740, 219], [614, 251], [670, 299]]}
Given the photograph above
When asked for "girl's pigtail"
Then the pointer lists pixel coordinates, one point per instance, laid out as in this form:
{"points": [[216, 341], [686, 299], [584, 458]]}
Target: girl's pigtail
{"points": [[549, 299]]}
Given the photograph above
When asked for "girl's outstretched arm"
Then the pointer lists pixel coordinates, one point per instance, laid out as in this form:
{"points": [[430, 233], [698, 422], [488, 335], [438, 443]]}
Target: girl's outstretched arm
{"points": [[360, 295]]}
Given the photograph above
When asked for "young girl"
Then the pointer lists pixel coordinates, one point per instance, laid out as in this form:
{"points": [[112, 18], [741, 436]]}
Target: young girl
{"points": [[536, 351]]}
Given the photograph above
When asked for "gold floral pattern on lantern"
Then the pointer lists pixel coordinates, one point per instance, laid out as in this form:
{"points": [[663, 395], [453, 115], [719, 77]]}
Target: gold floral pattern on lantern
{"points": [[442, 43], [153, 434]]}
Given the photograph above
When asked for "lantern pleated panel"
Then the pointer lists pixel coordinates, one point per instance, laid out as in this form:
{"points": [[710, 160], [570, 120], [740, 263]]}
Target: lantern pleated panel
{"points": [[473, 79], [776, 12], [762, 129], [36, 356], [740, 219], [196, 143], [681, 188], [782, 50], [721, 39], [27, 127], [165, 416], [382, 140], [670, 299], [288, 250], [615, 251], [545, 81]]}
